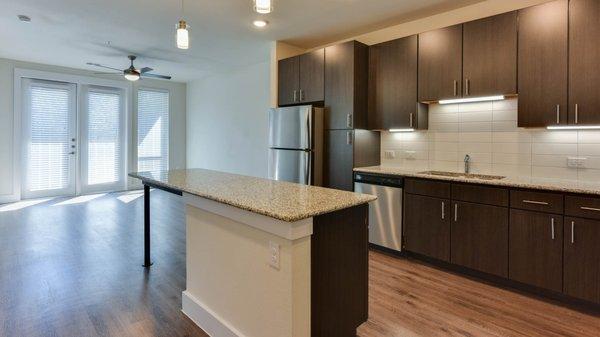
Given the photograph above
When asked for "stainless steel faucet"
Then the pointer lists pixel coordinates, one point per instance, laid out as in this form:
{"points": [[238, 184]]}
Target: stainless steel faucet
{"points": [[467, 163]]}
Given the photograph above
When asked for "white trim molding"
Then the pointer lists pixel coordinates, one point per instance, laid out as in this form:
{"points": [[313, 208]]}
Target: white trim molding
{"points": [[205, 318]]}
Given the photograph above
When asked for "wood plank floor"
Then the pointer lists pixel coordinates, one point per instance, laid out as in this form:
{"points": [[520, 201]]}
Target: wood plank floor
{"points": [[72, 267]]}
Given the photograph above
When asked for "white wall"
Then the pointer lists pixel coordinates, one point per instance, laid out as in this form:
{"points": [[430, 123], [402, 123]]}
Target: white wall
{"points": [[488, 132], [177, 123], [227, 121]]}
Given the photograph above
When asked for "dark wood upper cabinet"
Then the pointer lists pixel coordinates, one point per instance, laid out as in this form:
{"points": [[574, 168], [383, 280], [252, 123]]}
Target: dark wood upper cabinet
{"points": [[479, 237], [543, 64], [427, 233], [536, 249], [346, 77], [440, 64], [584, 62], [312, 76], [393, 85], [582, 259], [490, 56], [288, 80], [301, 78]]}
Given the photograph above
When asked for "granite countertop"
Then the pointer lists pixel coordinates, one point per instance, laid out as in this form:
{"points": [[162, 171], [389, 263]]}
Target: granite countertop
{"points": [[277, 199], [546, 184]]}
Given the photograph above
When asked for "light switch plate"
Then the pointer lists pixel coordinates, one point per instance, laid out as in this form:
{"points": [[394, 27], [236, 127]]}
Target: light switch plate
{"points": [[576, 162], [274, 250]]}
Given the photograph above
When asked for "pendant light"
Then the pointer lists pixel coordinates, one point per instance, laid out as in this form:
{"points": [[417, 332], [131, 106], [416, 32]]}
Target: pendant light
{"points": [[183, 38], [263, 6]]}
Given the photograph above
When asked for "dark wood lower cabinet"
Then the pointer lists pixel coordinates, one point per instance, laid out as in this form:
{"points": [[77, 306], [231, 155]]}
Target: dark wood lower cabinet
{"points": [[479, 238], [536, 249], [582, 259], [427, 226]]}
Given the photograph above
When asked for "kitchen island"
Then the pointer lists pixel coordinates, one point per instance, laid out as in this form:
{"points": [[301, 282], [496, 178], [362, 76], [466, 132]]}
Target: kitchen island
{"points": [[269, 258]]}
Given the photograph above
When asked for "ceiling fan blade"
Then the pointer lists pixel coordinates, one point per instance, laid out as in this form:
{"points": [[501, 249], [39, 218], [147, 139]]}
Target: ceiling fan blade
{"points": [[101, 66], [156, 76], [145, 70], [108, 73]]}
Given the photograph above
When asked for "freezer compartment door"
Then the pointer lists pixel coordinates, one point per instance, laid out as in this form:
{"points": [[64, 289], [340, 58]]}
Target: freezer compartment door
{"points": [[290, 128], [290, 165]]}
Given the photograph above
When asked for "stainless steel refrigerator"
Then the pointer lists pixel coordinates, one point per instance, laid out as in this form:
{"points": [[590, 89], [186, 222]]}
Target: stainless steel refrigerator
{"points": [[296, 144]]}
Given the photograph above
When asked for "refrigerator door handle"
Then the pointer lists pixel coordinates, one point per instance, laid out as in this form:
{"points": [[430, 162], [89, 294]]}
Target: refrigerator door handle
{"points": [[307, 169]]}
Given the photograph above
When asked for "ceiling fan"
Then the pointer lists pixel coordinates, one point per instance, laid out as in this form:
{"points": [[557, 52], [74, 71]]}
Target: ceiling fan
{"points": [[131, 73]]}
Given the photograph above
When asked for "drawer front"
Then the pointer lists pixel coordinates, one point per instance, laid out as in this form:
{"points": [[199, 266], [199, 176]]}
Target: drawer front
{"points": [[427, 187], [585, 207], [480, 194], [537, 201]]}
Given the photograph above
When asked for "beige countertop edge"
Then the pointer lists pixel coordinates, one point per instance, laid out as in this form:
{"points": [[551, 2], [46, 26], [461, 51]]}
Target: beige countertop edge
{"points": [[247, 207], [506, 182]]}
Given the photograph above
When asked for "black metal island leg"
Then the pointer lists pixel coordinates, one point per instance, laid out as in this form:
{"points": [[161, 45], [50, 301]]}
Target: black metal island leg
{"points": [[147, 262]]}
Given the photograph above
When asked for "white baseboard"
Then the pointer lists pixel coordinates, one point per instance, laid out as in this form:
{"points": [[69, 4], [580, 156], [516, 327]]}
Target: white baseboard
{"points": [[5, 199], [205, 318]]}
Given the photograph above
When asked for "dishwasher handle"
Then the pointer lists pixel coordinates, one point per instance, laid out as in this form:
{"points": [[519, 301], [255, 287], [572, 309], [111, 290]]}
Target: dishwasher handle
{"points": [[379, 180]]}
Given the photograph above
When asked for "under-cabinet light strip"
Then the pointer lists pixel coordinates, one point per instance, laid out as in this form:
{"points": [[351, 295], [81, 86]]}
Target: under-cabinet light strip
{"points": [[471, 99], [402, 130], [574, 127]]}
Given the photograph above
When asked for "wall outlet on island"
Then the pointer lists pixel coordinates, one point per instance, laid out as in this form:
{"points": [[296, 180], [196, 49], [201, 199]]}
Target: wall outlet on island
{"points": [[576, 162], [389, 154], [274, 254]]}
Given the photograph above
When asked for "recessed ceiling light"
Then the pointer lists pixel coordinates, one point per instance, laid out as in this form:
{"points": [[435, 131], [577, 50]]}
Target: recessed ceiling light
{"points": [[260, 23], [24, 18]]}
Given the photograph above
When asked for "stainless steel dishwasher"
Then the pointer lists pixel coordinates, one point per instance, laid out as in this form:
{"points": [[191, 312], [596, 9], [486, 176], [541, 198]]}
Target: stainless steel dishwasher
{"points": [[385, 213]]}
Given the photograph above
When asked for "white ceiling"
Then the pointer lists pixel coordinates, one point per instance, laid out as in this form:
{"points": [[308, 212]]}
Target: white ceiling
{"points": [[72, 32]]}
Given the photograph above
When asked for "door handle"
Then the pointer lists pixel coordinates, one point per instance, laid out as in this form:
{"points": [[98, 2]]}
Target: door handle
{"points": [[572, 232], [535, 202], [590, 209], [411, 119], [558, 114], [552, 227], [295, 95], [301, 95], [467, 87], [576, 113], [443, 210], [455, 212], [455, 87]]}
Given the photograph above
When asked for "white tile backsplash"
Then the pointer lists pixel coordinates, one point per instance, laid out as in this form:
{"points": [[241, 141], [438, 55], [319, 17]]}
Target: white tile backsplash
{"points": [[488, 132]]}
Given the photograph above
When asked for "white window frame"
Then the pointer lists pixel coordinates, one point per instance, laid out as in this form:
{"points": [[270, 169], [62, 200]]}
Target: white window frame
{"points": [[135, 158], [19, 74]]}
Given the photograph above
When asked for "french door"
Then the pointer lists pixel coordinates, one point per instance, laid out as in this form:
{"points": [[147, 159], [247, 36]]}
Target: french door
{"points": [[73, 139]]}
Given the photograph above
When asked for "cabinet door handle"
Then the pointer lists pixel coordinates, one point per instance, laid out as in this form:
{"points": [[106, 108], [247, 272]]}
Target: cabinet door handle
{"points": [[301, 95], [572, 232], [349, 120], [467, 89], [443, 210], [455, 87], [590, 209], [455, 212], [295, 95], [576, 113], [349, 137], [558, 114], [552, 229], [411, 119], [535, 202]]}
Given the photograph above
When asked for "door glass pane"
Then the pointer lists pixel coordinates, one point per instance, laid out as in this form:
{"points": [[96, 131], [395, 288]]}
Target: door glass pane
{"points": [[103, 132], [153, 130], [48, 158]]}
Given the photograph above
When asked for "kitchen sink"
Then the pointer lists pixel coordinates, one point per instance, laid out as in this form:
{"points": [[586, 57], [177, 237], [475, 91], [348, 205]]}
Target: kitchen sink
{"points": [[463, 175]]}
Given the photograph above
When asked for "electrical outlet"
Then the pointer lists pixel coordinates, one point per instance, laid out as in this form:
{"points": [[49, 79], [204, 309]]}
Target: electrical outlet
{"points": [[576, 162], [389, 154], [410, 154], [274, 254]]}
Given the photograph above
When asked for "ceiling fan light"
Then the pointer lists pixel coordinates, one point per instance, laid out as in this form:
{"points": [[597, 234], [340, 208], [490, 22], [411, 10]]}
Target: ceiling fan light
{"points": [[263, 6], [132, 76], [183, 39]]}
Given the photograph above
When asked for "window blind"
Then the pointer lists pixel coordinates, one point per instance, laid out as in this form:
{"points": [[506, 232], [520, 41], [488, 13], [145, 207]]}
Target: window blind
{"points": [[103, 133], [49, 132], [153, 130]]}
